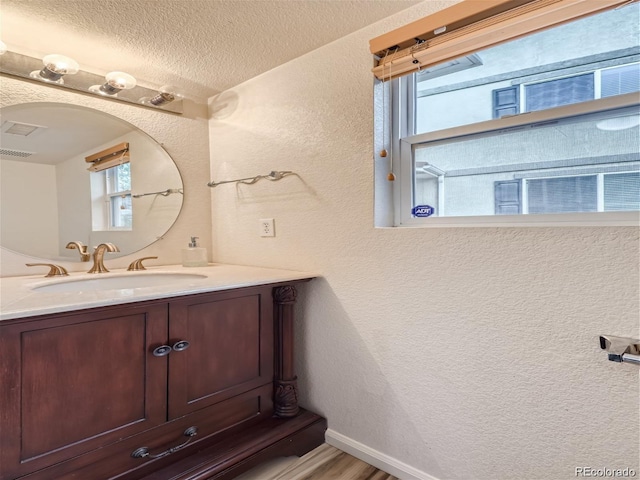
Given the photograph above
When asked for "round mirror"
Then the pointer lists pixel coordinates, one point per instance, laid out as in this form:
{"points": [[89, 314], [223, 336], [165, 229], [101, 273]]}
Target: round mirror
{"points": [[74, 174]]}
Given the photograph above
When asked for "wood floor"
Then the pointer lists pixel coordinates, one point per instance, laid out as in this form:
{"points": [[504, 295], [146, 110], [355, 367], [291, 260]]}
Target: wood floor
{"points": [[323, 463]]}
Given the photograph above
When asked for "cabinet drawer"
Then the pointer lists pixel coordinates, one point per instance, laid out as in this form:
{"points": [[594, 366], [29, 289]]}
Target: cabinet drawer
{"points": [[115, 461]]}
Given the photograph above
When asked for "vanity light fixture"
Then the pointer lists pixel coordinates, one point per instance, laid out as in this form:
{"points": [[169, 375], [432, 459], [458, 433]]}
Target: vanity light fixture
{"points": [[55, 67], [166, 94], [117, 86], [116, 81]]}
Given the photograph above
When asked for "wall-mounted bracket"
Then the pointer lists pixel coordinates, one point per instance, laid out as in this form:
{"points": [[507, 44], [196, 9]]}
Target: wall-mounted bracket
{"points": [[273, 176], [621, 349]]}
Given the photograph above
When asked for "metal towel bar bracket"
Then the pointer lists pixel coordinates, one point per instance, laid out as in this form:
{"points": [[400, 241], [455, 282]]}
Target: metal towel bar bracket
{"points": [[621, 349], [273, 176], [164, 193]]}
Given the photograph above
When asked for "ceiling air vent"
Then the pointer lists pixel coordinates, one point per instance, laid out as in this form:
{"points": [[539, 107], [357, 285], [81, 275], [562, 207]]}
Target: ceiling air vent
{"points": [[22, 129], [5, 152]]}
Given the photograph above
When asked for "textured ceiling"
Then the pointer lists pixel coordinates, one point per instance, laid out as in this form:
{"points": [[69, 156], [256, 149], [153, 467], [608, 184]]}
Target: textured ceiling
{"points": [[202, 46]]}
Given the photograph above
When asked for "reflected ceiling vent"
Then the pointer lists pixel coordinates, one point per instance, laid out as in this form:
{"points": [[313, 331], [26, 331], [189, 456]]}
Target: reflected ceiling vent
{"points": [[21, 129], [5, 152]]}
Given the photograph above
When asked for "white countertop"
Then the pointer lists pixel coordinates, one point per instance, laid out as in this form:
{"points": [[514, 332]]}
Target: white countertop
{"points": [[19, 296]]}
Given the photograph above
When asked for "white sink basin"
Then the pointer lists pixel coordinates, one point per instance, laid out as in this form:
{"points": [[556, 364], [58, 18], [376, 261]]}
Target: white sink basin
{"points": [[119, 282]]}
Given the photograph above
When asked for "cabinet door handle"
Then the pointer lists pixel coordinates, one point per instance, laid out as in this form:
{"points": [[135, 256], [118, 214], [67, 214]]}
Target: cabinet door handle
{"points": [[143, 452], [161, 351], [181, 345]]}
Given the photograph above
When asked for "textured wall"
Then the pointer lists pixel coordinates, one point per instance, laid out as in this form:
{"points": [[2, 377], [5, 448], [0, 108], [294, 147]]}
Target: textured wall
{"points": [[202, 46], [183, 137], [465, 353]]}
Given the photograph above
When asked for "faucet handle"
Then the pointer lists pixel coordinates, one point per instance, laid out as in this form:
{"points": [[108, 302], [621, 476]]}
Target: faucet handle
{"points": [[137, 264], [54, 270], [84, 255]]}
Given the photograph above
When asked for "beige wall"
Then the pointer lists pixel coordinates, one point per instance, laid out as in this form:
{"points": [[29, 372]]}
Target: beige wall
{"points": [[43, 219], [464, 353], [183, 137]]}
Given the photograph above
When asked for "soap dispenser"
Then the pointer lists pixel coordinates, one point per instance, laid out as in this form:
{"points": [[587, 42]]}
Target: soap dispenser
{"points": [[194, 256]]}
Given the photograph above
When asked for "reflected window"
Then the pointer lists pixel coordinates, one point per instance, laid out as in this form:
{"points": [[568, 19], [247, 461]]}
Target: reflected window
{"points": [[111, 198], [119, 193]]}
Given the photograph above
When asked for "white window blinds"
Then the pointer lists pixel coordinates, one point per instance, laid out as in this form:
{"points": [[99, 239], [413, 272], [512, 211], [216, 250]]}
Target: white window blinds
{"points": [[469, 26]]}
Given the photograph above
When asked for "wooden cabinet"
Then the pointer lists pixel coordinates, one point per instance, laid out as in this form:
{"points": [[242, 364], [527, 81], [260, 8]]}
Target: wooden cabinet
{"points": [[74, 383], [127, 390], [230, 347]]}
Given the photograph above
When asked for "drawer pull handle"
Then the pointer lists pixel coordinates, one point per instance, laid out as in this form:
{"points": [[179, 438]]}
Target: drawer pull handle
{"points": [[181, 345], [161, 351], [143, 452]]}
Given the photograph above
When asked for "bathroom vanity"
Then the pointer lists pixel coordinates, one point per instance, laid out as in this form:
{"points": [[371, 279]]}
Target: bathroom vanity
{"points": [[192, 379]]}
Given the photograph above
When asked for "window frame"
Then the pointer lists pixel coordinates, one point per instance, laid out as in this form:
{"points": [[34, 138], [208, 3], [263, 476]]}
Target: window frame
{"points": [[111, 179], [404, 143], [102, 213]]}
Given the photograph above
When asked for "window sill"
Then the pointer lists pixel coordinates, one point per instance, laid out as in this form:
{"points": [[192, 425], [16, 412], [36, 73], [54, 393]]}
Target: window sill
{"points": [[600, 219]]}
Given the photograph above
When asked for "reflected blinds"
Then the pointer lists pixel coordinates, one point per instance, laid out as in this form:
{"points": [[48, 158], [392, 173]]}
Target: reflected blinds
{"points": [[469, 26], [108, 158]]}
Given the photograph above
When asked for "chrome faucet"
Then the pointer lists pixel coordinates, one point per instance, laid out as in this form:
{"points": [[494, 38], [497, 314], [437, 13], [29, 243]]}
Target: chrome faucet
{"points": [[98, 257], [84, 255]]}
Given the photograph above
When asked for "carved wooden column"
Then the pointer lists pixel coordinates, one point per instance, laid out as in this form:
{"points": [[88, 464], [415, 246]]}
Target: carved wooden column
{"points": [[286, 387]]}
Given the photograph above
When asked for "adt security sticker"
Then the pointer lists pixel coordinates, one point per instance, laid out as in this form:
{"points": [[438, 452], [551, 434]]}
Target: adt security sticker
{"points": [[422, 211]]}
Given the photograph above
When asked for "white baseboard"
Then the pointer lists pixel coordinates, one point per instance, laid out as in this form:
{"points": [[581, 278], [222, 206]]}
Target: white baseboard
{"points": [[373, 457]]}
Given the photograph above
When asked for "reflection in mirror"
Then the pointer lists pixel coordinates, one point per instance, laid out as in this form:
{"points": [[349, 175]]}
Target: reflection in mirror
{"points": [[53, 191]]}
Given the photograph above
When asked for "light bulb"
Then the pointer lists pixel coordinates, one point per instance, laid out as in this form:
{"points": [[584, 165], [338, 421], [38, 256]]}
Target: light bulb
{"points": [[166, 94], [116, 81], [3, 48], [55, 67], [120, 80]]}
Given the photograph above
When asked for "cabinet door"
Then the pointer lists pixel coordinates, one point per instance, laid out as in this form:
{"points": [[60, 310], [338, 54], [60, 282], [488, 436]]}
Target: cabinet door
{"points": [[230, 351], [76, 382]]}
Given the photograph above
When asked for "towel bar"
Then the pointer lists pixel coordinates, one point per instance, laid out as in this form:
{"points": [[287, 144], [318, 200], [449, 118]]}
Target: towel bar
{"points": [[621, 349]]}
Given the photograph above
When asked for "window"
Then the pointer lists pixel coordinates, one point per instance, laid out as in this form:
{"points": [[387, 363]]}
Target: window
{"points": [[111, 192], [562, 195], [620, 80], [581, 193], [621, 191], [555, 93], [566, 90], [526, 131]]}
